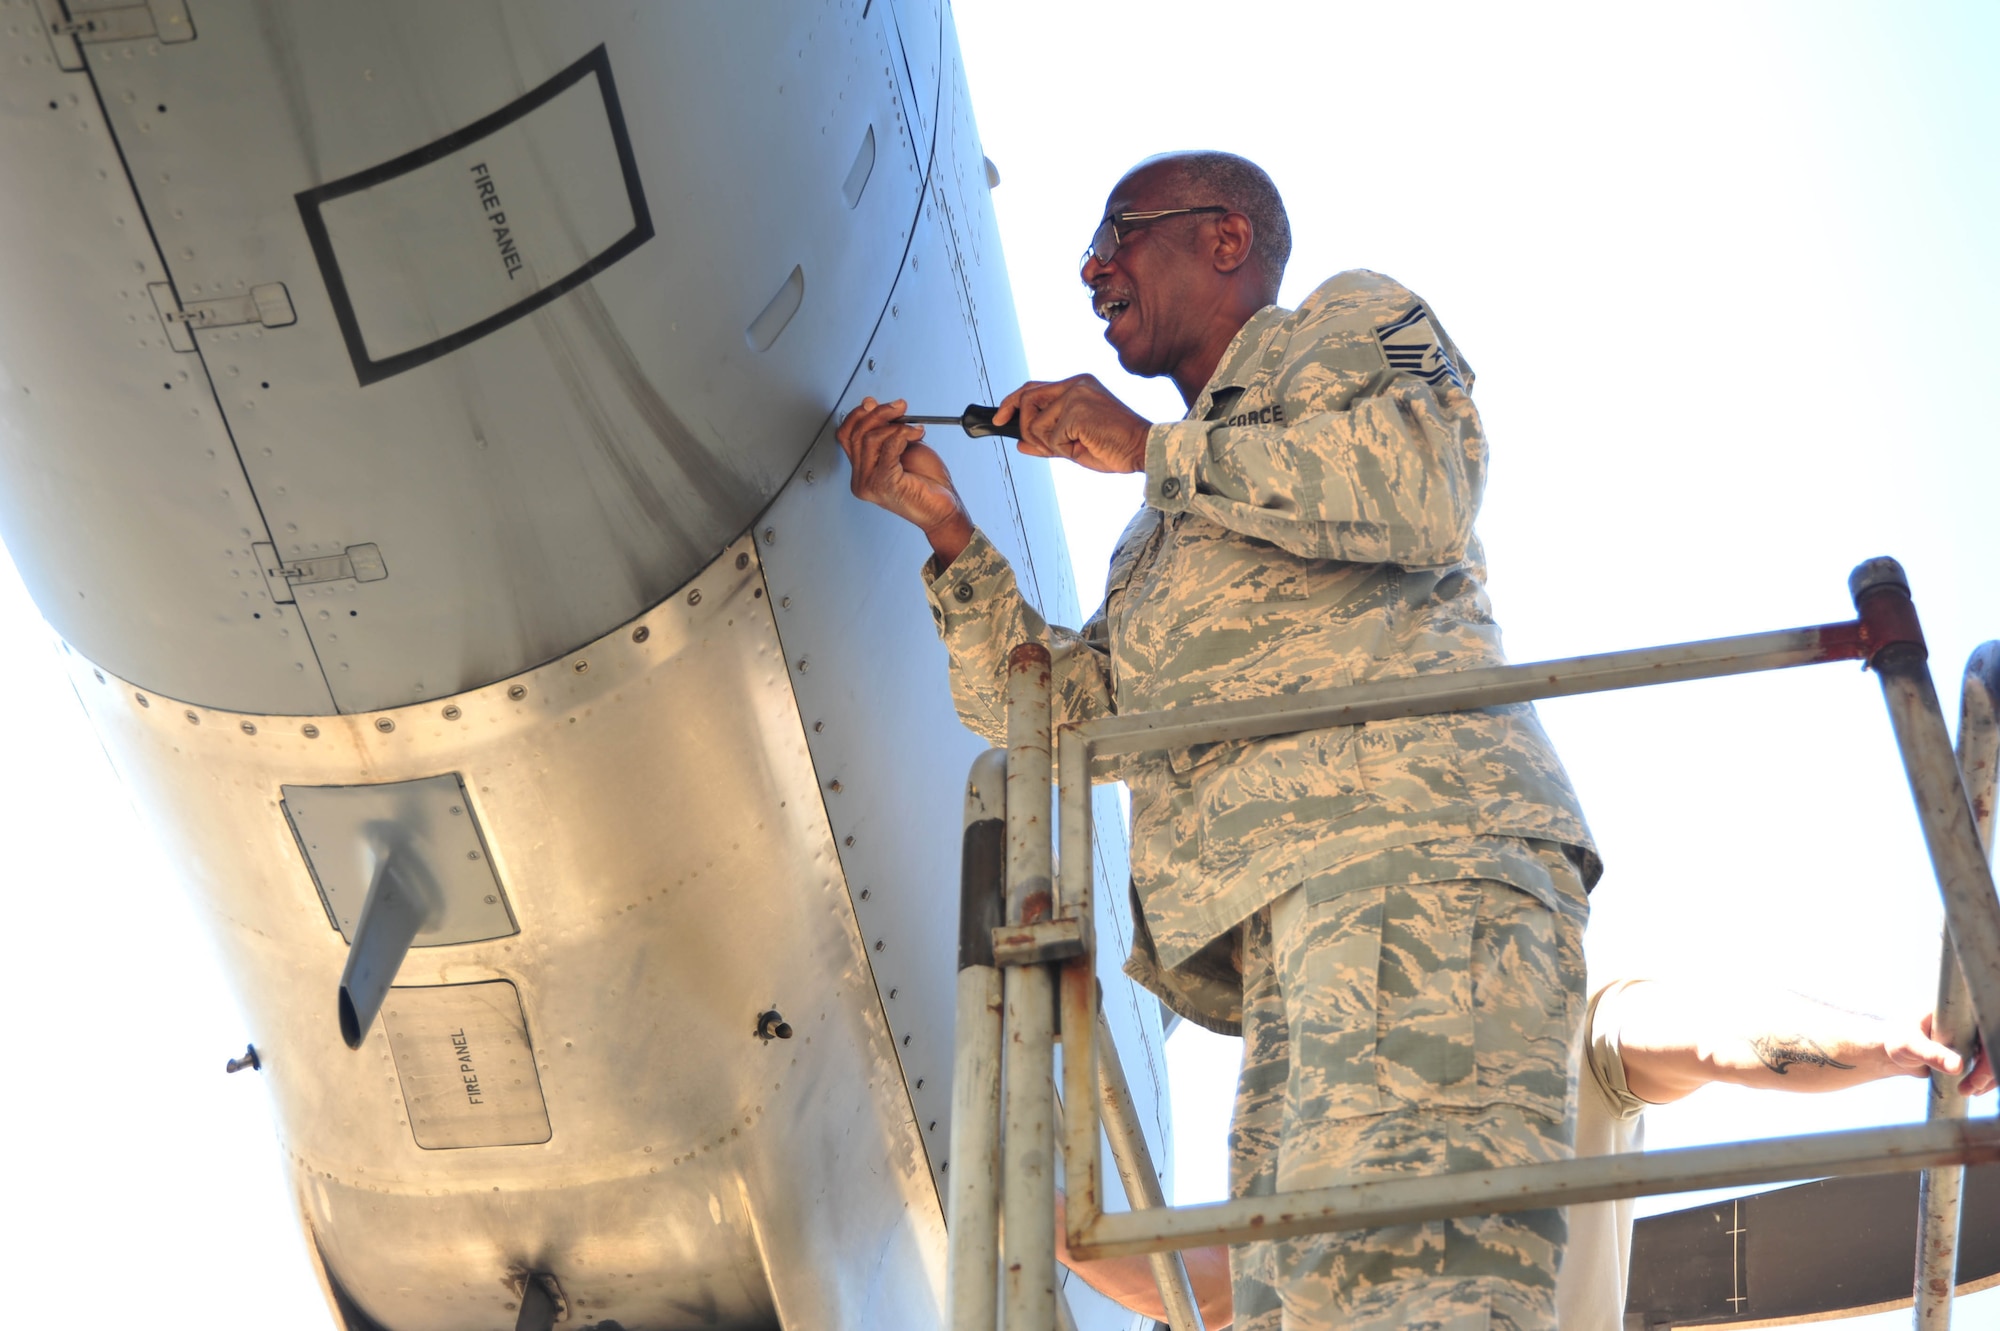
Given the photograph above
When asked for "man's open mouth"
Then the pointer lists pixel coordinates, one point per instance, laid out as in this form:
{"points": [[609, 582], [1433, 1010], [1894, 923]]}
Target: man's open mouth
{"points": [[1110, 307]]}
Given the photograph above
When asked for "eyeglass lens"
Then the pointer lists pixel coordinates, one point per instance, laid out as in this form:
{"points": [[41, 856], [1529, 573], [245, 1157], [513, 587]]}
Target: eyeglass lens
{"points": [[1104, 241]]}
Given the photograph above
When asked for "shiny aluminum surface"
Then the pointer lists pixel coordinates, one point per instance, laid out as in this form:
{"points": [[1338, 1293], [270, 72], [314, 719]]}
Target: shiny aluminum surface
{"points": [[597, 562], [540, 483], [653, 809]]}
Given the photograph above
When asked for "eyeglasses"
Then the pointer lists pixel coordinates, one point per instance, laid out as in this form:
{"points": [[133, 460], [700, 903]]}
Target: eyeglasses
{"points": [[1115, 227]]}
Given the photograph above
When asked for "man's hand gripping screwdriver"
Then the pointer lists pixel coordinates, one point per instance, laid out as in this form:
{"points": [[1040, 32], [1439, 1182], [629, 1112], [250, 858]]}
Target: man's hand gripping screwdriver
{"points": [[977, 422]]}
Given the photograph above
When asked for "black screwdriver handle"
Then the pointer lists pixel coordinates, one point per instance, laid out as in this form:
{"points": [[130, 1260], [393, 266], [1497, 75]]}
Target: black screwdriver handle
{"points": [[978, 422]]}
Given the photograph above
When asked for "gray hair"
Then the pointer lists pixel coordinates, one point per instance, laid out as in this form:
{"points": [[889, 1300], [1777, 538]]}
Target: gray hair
{"points": [[1241, 185]]}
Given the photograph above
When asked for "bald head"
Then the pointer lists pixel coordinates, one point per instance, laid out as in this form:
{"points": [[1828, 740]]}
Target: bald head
{"points": [[1203, 252], [1202, 177]]}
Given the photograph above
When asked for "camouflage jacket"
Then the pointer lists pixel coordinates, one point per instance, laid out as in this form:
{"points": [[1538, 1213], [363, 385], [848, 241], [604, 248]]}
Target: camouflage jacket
{"points": [[1307, 525]]}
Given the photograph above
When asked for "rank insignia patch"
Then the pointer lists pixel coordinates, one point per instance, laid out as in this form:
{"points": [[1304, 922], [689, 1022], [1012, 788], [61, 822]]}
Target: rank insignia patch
{"points": [[1412, 344]]}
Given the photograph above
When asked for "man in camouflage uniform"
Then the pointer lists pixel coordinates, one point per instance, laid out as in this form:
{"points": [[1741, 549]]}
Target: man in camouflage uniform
{"points": [[1390, 914]]}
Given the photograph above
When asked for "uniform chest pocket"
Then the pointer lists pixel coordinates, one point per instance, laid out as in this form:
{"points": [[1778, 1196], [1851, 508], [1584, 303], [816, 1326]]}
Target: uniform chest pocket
{"points": [[1209, 573]]}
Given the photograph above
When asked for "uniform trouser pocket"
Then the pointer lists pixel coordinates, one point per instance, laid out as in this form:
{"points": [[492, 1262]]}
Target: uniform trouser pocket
{"points": [[1453, 995], [1405, 1030]]}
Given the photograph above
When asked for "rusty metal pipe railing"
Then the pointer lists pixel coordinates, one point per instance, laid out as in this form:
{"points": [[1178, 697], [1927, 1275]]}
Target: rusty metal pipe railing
{"points": [[1412, 1199], [1899, 659], [1463, 690], [1169, 1271], [1940, 1191], [1028, 1197], [1141, 1179], [973, 1196]]}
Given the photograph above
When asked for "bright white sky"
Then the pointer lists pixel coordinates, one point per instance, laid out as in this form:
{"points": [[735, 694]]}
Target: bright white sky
{"points": [[1720, 269]]}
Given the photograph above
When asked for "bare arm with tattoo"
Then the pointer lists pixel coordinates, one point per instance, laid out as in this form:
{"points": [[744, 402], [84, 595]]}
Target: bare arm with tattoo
{"points": [[1675, 1037]]}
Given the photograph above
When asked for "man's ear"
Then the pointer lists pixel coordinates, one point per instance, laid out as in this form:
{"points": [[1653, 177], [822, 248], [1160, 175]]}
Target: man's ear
{"points": [[1234, 239]]}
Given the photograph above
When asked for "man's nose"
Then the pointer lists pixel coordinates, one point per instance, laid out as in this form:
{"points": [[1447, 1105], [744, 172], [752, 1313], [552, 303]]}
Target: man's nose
{"points": [[1093, 268]]}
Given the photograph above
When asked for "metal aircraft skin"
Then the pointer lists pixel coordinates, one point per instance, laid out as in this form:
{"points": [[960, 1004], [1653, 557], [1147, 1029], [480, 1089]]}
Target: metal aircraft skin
{"points": [[418, 428]]}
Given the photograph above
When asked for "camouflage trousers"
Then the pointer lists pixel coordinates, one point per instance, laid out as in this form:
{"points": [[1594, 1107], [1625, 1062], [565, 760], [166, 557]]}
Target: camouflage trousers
{"points": [[1410, 1029]]}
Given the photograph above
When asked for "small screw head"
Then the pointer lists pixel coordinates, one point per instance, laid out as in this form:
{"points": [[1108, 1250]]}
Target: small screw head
{"points": [[804, 665], [582, 667], [472, 854], [456, 811], [641, 633], [864, 894], [385, 724], [784, 603], [451, 713], [833, 786], [848, 841], [694, 597], [193, 720], [742, 561], [517, 691], [99, 674], [249, 727], [492, 900], [894, 992], [309, 730], [878, 945], [770, 535], [143, 700]]}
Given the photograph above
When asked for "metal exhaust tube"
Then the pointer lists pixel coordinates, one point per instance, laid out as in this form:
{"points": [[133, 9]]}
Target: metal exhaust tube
{"points": [[540, 1310], [397, 909]]}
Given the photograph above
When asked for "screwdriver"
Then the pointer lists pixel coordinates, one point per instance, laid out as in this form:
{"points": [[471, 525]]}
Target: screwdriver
{"points": [[977, 422]]}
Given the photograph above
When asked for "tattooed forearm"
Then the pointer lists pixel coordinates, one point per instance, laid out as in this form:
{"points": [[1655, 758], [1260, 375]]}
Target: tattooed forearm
{"points": [[1781, 1054]]}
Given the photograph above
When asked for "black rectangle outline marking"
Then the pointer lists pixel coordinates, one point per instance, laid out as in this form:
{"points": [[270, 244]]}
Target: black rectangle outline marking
{"points": [[370, 371]]}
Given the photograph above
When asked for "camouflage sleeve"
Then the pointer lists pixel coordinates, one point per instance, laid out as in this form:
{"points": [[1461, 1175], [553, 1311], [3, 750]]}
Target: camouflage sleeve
{"points": [[981, 616], [1377, 467]]}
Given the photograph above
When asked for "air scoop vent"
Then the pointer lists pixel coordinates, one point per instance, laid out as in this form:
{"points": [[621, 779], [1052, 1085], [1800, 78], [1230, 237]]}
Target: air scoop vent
{"points": [[764, 329]]}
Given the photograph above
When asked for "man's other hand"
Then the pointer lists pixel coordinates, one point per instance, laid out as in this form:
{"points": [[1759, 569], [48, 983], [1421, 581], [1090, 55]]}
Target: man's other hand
{"points": [[1078, 419], [892, 467], [1918, 1053]]}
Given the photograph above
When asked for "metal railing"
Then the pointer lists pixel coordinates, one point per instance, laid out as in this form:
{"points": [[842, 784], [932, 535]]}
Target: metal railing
{"points": [[1044, 951], [1940, 1190]]}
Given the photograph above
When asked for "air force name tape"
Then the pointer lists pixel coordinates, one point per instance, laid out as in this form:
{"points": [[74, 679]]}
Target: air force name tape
{"points": [[1412, 344]]}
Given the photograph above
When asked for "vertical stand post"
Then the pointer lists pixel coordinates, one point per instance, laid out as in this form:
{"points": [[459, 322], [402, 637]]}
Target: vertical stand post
{"points": [[1940, 1191], [1028, 1266], [1083, 1169], [973, 1222], [1965, 879]]}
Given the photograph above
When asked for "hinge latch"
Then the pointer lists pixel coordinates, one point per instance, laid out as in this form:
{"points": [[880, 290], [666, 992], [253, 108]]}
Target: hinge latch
{"points": [[357, 563], [164, 21], [269, 305]]}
